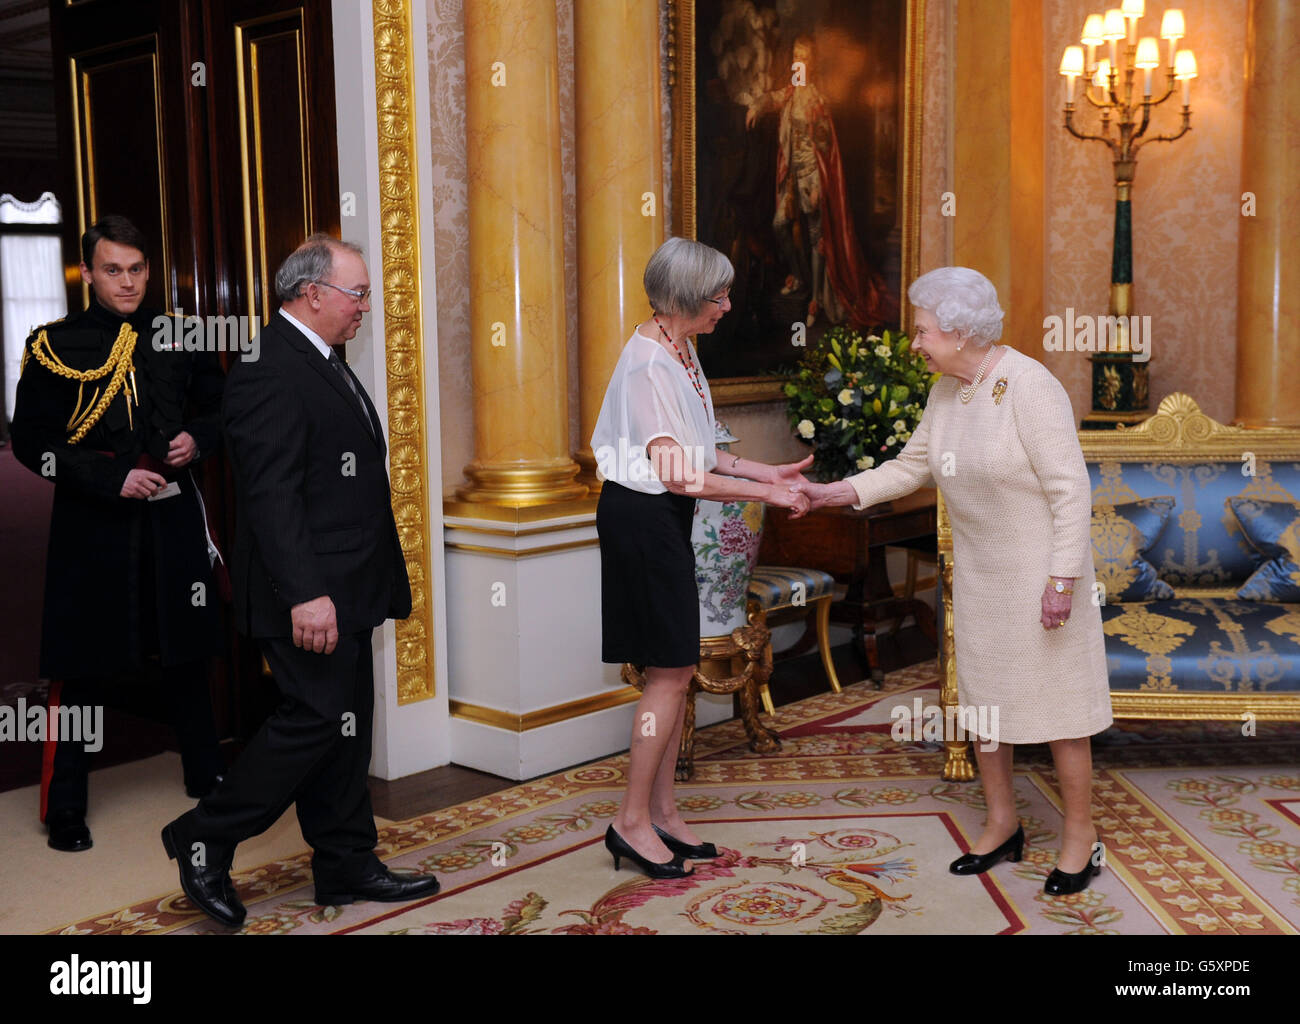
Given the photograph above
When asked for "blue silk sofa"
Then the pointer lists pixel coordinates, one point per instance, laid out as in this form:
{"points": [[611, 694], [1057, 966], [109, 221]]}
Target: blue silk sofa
{"points": [[1190, 646]]}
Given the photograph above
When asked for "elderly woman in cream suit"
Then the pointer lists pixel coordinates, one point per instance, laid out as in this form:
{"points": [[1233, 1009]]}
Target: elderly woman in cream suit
{"points": [[998, 438]]}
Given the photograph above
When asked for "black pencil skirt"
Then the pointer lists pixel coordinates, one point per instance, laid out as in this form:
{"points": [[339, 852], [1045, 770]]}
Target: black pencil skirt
{"points": [[650, 611]]}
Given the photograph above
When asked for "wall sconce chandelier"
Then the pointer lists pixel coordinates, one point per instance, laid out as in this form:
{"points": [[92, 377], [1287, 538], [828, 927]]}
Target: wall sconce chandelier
{"points": [[1120, 385]]}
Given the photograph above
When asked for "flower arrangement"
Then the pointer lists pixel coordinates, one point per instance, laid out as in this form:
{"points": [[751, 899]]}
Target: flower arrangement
{"points": [[856, 400]]}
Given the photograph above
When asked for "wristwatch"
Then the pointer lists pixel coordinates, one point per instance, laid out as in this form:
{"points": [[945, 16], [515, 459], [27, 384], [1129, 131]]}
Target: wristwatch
{"points": [[1061, 588]]}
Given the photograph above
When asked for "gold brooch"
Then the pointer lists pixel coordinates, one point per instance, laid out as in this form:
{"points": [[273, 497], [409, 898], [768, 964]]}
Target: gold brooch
{"points": [[999, 389]]}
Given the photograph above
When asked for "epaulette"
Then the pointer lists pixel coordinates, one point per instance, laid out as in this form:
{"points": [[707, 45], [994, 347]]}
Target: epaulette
{"points": [[31, 340], [37, 330]]}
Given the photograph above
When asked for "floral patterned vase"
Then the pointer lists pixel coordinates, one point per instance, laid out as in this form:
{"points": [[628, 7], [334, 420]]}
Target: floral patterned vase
{"points": [[726, 536]]}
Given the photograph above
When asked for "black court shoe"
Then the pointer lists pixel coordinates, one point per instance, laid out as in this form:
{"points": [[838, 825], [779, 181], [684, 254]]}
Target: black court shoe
{"points": [[978, 863], [704, 851], [1063, 883], [619, 848]]}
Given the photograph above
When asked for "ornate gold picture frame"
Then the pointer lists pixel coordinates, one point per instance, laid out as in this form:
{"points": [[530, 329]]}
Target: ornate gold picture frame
{"points": [[734, 165]]}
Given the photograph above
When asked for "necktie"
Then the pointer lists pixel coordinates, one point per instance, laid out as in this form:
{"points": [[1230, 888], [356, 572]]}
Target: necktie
{"points": [[339, 368]]}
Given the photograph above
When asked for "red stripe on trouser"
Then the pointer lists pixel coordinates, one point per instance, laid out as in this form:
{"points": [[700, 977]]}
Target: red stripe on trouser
{"points": [[51, 747]]}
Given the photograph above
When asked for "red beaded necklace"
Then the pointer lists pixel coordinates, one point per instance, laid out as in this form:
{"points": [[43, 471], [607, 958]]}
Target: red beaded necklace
{"points": [[686, 362]]}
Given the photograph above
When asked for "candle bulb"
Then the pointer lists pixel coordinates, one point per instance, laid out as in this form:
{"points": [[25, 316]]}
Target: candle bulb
{"points": [[1148, 59], [1173, 28], [1101, 78], [1091, 37], [1132, 11], [1071, 68], [1185, 71], [1113, 30]]}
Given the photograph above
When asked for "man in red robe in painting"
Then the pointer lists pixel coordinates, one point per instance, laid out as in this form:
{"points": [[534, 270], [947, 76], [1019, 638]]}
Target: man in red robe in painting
{"points": [[810, 181]]}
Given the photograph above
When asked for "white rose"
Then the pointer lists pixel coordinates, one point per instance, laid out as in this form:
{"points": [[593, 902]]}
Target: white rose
{"points": [[899, 426], [846, 396], [873, 337], [883, 351], [891, 440], [866, 462], [806, 429], [870, 389]]}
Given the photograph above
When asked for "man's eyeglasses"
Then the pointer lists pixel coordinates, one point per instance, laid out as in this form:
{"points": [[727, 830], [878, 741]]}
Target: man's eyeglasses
{"points": [[359, 296]]}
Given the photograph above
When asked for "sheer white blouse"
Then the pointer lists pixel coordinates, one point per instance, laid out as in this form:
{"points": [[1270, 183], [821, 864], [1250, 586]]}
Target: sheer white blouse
{"points": [[651, 395]]}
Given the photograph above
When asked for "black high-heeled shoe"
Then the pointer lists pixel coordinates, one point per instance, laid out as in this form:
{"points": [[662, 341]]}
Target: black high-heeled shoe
{"points": [[1063, 883], [620, 848], [702, 851], [978, 863]]}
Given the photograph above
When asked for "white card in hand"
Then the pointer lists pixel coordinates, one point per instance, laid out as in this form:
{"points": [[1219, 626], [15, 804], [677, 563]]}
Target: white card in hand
{"points": [[170, 491]]}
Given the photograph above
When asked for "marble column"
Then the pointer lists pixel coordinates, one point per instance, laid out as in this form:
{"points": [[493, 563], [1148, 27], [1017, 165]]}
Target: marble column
{"points": [[516, 250], [1268, 265], [998, 158], [619, 187]]}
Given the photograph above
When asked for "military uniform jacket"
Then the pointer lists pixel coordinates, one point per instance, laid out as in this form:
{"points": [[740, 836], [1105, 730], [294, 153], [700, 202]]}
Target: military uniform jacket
{"points": [[125, 578]]}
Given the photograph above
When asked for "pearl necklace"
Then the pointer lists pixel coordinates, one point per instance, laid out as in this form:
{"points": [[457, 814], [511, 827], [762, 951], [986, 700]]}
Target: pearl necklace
{"points": [[968, 392], [687, 363]]}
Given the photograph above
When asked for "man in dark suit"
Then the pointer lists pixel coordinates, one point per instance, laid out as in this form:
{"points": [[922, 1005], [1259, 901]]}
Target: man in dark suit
{"points": [[317, 566], [131, 613]]}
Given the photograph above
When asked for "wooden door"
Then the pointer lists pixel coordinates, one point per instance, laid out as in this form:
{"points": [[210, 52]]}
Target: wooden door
{"points": [[209, 123]]}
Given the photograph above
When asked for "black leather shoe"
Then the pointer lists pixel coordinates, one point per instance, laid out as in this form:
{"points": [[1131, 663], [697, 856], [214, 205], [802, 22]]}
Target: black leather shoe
{"points": [[68, 832], [382, 886], [209, 888], [978, 863], [199, 792], [620, 848], [1063, 883], [704, 851]]}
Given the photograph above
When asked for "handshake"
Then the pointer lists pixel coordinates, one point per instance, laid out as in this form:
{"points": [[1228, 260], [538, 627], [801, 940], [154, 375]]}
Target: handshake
{"points": [[790, 489]]}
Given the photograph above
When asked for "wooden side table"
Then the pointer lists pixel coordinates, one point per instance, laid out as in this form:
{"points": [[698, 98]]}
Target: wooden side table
{"points": [[850, 545]]}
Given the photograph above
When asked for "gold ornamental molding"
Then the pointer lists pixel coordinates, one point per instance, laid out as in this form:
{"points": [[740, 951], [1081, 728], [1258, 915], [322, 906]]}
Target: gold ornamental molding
{"points": [[1180, 432], [399, 218], [514, 721], [1187, 705]]}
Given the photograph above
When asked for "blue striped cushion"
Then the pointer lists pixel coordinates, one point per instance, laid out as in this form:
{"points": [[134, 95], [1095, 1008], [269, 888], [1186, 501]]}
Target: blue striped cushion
{"points": [[772, 586]]}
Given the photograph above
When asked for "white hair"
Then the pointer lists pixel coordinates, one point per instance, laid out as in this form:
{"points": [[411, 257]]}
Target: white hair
{"points": [[962, 300]]}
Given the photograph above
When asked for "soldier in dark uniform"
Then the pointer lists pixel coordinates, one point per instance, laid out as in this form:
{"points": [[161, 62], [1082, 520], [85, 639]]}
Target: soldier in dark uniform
{"points": [[130, 599]]}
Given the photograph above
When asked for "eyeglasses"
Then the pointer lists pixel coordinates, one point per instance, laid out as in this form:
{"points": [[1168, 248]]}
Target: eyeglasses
{"points": [[719, 302], [359, 296]]}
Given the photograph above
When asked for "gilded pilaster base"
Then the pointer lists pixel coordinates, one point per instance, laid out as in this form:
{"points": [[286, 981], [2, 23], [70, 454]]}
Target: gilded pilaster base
{"points": [[533, 483], [586, 460]]}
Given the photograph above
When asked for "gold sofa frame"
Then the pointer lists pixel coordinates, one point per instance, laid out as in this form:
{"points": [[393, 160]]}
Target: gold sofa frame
{"points": [[1177, 433]]}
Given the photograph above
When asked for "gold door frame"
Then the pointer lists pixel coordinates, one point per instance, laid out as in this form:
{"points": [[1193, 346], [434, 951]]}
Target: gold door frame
{"points": [[400, 276]]}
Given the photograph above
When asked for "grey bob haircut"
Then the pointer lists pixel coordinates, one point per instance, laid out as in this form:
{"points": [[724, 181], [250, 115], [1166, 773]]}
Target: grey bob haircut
{"points": [[682, 274], [311, 261]]}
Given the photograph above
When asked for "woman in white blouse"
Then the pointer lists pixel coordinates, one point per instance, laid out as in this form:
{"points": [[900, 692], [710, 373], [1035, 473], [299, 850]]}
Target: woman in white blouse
{"points": [[653, 444]]}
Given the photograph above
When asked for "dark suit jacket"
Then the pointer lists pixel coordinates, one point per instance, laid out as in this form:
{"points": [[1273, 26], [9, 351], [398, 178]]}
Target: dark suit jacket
{"points": [[313, 508]]}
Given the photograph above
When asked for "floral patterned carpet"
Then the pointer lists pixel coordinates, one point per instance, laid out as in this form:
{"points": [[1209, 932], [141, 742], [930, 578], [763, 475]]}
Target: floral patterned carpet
{"points": [[844, 831]]}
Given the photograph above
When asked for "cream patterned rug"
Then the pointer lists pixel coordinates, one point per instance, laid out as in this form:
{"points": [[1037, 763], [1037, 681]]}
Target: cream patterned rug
{"points": [[844, 831]]}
